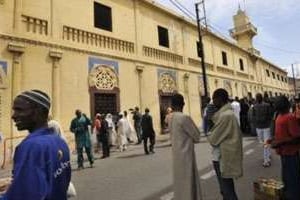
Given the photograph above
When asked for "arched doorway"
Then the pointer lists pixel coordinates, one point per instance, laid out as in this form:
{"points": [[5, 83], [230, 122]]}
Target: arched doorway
{"points": [[244, 90], [228, 88], [167, 87], [104, 90]]}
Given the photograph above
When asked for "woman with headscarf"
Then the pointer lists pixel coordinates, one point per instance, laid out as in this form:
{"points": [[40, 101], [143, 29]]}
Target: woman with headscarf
{"points": [[130, 132], [96, 133]]}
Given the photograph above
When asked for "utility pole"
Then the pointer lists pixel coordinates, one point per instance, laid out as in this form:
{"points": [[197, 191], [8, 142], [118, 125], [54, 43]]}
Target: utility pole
{"points": [[200, 46], [294, 81]]}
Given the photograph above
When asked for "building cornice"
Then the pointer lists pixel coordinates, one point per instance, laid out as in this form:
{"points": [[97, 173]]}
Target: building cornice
{"points": [[58, 48]]}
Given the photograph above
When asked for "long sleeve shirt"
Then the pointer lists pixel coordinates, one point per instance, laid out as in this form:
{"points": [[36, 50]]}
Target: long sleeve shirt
{"points": [[287, 128], [41, 168]]}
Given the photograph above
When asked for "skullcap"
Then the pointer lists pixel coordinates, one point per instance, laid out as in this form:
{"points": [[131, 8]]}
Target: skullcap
{"points": [[37, 97]]}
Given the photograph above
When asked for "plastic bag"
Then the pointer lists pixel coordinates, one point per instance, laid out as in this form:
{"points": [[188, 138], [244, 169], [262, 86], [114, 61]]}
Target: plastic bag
{"points": [[71, 190], [94, 139]]}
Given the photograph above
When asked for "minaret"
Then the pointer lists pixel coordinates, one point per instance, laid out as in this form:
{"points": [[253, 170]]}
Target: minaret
{"points": [[243, 30]]}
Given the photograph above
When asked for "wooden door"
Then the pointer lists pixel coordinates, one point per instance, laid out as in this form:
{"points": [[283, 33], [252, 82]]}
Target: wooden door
{"points": [[105, 103]]}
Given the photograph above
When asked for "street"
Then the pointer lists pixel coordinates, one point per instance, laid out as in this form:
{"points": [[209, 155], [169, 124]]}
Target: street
{"points": [[131, 175]]}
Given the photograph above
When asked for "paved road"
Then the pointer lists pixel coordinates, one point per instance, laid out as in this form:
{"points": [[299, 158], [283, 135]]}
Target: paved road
{"points": [[131, 175]]}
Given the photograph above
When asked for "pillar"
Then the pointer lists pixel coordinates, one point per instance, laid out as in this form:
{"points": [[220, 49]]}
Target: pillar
{"points": [[17, 15], [55, 55], [16, 78], [139, 70], [186, 77], [17, 50]]}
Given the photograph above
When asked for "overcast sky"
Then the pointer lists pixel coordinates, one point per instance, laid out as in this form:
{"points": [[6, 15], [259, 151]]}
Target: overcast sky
{"points": [[278, 23]]}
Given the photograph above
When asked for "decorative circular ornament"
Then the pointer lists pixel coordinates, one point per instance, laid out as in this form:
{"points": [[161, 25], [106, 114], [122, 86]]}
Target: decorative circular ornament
{"points": [[166, 83], [103, 77]]}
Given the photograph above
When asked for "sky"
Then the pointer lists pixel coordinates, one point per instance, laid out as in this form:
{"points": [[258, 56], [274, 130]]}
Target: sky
{"points": [[277, 21]]}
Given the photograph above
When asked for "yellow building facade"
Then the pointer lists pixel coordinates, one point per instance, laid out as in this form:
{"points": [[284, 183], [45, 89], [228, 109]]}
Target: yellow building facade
{"points": [[111, 55]]}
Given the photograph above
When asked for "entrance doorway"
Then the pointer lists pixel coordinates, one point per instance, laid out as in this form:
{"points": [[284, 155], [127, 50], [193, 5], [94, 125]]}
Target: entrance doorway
{"points": [[104, 102], [164, 102]]}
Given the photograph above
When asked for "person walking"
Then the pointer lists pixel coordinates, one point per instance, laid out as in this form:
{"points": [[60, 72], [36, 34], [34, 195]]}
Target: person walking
{"points": [[236, 107], [184, 134], [137, 117], [167, 119], [112, 135], [245, 127], [208, 113], [104, 137], [287, 134], [262, 114], [129, 130], [226, 140], [41, 168], [96, 131], [148, 131], [123, 127], [79, 126], [56, 127]]}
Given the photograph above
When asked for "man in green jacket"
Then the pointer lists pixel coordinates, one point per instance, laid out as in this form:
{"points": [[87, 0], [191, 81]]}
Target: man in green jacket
{"points": [[226, 140], [79, 126]]}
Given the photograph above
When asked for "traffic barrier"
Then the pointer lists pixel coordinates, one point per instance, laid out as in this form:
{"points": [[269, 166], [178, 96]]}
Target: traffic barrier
{"points": [[5, 149]]}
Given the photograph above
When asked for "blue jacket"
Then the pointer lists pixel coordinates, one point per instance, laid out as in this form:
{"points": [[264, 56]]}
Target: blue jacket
{"points": [[41, 169]]}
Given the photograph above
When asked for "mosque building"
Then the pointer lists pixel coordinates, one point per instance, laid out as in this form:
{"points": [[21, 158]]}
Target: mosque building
{"points": [[107, 56]]}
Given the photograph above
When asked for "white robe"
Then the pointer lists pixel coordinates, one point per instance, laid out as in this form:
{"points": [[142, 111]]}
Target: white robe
{"points": [[236, 110], [111, 131], [122, 128], [131, 134], [57, 128], [185, 173]]}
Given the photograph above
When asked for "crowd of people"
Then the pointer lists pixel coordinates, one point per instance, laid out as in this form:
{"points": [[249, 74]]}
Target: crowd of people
{"points": [[43, 157], [111, 131], [275, 122]]}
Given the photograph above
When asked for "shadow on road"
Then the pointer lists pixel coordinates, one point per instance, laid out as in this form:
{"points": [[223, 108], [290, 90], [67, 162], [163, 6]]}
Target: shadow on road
{"points": [[132, 156]]}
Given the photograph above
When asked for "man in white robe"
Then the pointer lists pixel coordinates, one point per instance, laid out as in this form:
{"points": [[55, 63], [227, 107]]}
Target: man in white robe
{"points": [[121, 135], [236, 107], [184, 134]]}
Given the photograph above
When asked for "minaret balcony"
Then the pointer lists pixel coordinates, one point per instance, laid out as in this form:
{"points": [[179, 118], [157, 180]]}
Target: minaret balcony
{"points": [[244, 29], [254, 51]]}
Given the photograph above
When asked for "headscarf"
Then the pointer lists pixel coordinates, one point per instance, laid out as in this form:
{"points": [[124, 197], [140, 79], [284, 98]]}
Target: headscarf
{"points": [[109, 120]]}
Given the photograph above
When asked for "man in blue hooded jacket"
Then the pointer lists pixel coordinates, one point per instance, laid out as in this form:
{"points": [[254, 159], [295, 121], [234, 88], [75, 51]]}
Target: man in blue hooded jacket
{"points": [[41, 169]]}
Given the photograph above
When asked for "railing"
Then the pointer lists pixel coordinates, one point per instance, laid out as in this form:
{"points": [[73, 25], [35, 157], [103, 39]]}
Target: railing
{"points": [[162, 55], [243, 28], [4, 148], [35, 25], [85, 37]]}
